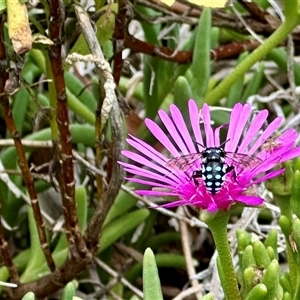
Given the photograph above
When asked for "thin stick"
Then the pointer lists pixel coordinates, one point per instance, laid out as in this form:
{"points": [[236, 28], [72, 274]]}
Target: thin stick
{"points": [[114, 274], [64, 154], [7, 259], [28, 181], [188, 255]]}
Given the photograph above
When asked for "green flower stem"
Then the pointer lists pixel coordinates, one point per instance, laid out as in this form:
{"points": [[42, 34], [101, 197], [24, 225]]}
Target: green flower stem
{"points": [[283, 202], [218, 228], [294, 270], [291, 21]]}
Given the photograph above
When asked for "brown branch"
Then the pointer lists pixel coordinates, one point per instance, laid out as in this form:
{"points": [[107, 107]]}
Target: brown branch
{"points": [[49, 284], [233, 49], [166, 53], [98, 144], [25, 173], [66, 172], [7, 259], [221, 18], [255, 11], [28, 181], [118, 38], [184, 57]]}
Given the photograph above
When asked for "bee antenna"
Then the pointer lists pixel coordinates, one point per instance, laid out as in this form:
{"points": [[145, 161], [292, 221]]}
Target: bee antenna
{"points": [[221, 146], [205, 147], [198, 143]]}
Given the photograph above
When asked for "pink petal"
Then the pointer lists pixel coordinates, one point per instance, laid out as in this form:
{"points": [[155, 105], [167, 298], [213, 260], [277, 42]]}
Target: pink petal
{"points": [[147, 182], [182, 129], [149, 174], [173, 131], [150, 148], [155, 193], [268, 176], [293, 153], [195, 119], [142, 160], [253, 130], [151, 153], [289, 135], [161, 137], [266, 134], [217, 134], [250, 200], [174, 204], [238, 119], [207, 126]]}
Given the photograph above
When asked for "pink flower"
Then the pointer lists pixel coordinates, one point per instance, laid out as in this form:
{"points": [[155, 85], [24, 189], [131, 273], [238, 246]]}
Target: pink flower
{"points": [[246, 136]]}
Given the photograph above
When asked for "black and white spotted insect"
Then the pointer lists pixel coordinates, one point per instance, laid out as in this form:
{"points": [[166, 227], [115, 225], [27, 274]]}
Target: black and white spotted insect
{"points": [[215, 164]]}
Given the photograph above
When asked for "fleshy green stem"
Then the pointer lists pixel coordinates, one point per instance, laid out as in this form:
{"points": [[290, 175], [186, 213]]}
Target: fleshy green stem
{"points": [[291, 21], [283, 202], [218, 228]]}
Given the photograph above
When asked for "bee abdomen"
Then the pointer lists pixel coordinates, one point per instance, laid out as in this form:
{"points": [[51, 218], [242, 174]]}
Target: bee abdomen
{"points": [[213, 175]]}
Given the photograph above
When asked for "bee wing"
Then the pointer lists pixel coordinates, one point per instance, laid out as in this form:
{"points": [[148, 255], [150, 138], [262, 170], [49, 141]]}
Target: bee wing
{"points": [[184, 162], [242, 161]]}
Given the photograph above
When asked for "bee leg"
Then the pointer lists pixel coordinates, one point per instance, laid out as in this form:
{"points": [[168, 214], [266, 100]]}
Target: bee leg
{"points": [[196, 174], [232, 168], [229, 169]]}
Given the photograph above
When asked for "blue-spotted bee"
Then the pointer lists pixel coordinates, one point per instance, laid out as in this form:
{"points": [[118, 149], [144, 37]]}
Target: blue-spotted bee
{"points": [[215, 164]]}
